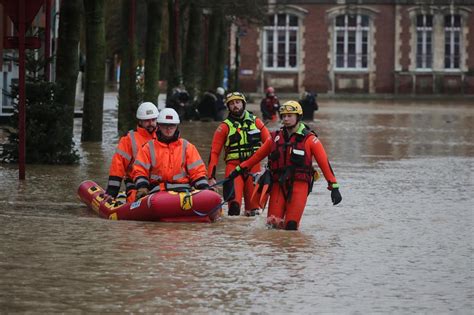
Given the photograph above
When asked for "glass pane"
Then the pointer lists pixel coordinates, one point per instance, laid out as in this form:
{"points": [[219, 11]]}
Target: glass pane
{"points": [[281, 36], [281, 19], [269, 35], [340, 20], [456, 63], [428, 60], [429, 20], [457, 20], [293, 20], [340, 61], [364, 20], [447, 21], [340, 37], [419, 20], [340, 48], [447, 62], [292, 49], [269, 60], [364, 62], [292, 61], [352, 20], [270, 48], [419, 62], [351, 37], [351, 61], [364, 49], [281, 60], [292, 36]]}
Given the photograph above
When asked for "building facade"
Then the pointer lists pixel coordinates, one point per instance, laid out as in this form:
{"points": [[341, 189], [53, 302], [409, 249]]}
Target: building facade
{"points": [[370, 47]]}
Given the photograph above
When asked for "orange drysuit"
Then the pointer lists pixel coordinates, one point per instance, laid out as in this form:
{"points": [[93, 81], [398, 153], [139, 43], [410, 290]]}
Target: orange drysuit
{"points": [[290, 165], [169, 166], [122, 161], [240, 138]]}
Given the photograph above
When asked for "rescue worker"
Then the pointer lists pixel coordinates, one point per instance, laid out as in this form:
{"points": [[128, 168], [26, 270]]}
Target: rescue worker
{"points": [[127, 150], [168, 162], [269, 105], [241, 134], [290, 151]]}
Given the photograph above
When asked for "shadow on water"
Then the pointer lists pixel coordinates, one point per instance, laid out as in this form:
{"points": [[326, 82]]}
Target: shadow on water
{"points": [[400, 242]]}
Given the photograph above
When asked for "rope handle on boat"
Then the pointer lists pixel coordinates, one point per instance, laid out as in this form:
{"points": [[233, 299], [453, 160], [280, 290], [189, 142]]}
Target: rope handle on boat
{"points": [[219, 206]]}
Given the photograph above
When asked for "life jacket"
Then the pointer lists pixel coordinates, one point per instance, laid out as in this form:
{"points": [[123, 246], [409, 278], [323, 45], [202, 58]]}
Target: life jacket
{"points": [[243, 139], [289, 161]]}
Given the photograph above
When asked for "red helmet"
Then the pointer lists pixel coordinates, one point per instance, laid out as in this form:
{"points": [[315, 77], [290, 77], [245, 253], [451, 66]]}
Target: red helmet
{"points": [[270, 90]]}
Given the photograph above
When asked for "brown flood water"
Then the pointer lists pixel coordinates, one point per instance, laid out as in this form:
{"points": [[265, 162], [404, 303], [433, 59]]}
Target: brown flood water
{"points": [[401, 241]]}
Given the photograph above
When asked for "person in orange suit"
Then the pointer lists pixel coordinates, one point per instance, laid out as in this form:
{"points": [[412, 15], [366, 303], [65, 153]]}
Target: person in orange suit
{"points": [[241, 134], [127, 150], [290, 151], [168, 162]]}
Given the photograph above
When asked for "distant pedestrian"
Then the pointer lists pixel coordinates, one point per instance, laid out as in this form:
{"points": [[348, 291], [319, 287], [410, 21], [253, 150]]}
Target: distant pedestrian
{"points": [[221, 109], [207, 106], [309, 104], [269, 105]]}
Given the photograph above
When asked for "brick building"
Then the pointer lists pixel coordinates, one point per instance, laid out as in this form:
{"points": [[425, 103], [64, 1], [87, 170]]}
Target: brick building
{"points": [[364, 46]]}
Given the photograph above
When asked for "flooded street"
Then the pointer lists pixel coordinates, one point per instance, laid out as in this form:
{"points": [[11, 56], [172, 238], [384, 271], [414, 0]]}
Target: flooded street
{"points": [[401, 241]]}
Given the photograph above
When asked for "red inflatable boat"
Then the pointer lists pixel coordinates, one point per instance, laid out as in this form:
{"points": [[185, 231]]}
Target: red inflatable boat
{"points": [[164, 206]]}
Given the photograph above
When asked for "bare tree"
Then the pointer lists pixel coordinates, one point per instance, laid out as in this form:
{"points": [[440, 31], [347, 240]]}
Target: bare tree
{"points": [[95, 70]]}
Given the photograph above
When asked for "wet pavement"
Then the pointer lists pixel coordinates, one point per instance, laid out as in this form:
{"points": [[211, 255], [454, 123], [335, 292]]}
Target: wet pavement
{"points": [[401, 241]]}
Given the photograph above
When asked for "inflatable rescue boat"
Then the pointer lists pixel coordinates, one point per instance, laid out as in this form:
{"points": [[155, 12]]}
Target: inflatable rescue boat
{"points": [[164, 206]]}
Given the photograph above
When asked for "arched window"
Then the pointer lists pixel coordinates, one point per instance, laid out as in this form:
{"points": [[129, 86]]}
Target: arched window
{"points": [[452, 41], [424, 41], [351, 41], [281, 42]]}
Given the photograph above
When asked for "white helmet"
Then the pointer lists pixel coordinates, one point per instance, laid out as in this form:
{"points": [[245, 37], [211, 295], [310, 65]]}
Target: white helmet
{"points": [[146, 111], [220, 91], [168, 116]]}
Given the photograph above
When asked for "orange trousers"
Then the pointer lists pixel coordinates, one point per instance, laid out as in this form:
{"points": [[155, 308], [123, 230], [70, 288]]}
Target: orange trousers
{"points": [[243, 186], [281, 211]]}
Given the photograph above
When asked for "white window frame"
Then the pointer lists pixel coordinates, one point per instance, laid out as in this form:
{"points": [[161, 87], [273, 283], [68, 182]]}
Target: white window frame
{"points": [[452, 37], [359, 32], [275, 29], [426, 54]]}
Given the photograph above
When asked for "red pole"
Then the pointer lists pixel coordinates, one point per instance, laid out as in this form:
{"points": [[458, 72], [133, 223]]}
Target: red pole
{"points": [[47, 40], [131, 38], [176, 39], [21, 89]]}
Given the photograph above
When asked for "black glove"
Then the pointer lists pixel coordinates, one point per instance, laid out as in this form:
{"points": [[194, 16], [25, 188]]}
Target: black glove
{"points": [[236, 172], [335, 196], [203, 187]]}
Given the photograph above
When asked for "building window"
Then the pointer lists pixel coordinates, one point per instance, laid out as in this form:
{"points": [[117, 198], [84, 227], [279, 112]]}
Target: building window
{"points": [[352, 36], [452, 38], [424, 42], [281, 41]]}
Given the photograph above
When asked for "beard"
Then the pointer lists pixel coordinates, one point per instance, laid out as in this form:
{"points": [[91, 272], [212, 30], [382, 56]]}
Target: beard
{"points": [[238, 113]]}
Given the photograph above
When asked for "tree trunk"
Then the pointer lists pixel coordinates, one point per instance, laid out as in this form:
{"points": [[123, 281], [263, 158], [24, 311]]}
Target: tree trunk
{"points": [[194, 48], [67, 59], [95, 71], [174, 76], [128, 102], [153, 50], [212, 50], [222, 52]]}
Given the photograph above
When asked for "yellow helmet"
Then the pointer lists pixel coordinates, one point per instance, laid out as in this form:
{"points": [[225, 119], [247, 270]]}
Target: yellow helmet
{"points": [[291, 107], [235, 96]]}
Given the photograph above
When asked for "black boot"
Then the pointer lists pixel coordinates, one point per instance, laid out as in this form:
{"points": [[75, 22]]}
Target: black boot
{"points": [[291, 226], [234, 209]]}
